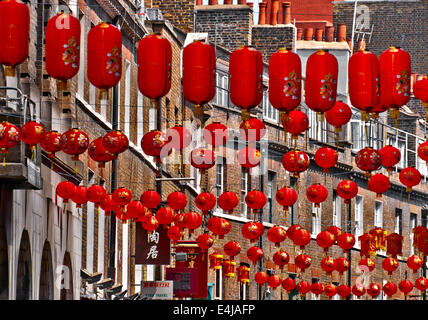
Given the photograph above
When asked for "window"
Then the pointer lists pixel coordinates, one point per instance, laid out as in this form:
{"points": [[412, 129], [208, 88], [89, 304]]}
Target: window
{"points": [[218, 285], [243, 291], [359, 223], [424, 217], [220, 175], [413, 224], [400, 144], [127, 97], [244, 189], [269, 112], [271, 182], [378, 214], [366, 134], [293, 182], [317, 129], [140, 117], [337, 210], [222, 91], [82, 70], [152, 118], [196, 142], [316, 219], [398, 221]]}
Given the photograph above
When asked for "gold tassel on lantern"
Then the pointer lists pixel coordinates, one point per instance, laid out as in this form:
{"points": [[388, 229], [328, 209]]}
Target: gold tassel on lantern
{"points": [[62, 85], [395, 114], [103, 94], [9, 71], [245, 114], [199, 111]]}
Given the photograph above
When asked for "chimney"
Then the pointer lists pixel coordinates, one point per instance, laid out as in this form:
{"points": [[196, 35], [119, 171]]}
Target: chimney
{"points": [[274, 15], [341, 32], [250, 4], [309, 33], [242, 1], [329, 34], [212, 2], [286, 12], [318, 34], [228, 2], [299, 33], [199, 2], [349, 41], [262, 12]]}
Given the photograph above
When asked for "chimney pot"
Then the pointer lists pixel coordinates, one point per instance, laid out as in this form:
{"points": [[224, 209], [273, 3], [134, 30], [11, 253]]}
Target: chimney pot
{"points": [[286, 12], [212, 2], [308, 34], [274, 15], [341, 32], [299, 33], [250, 4], [329, 33], [242, 1], [318, 34], [228, 2], [198, 2], [262, 13]]}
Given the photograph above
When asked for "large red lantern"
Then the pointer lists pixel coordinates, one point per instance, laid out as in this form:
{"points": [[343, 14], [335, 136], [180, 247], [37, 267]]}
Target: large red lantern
{"points": [[96, 194], [251, 231], [215, 261], [422, 244], [346, 241], [295, 162], [256, 200], [179, 220], [150, 199], [285, 80], [321, 81], [202, 159], [178, 137], [79, 196], [149, 223], [394, 244], [335, 231], [243, 274], [176, 200], [358, 290], [122, 196], [347, 190], [302, 261], [317, 288], [274, 281], [339, 115], [414, 263], [390, 265], [98, 153], [62, 48], [295, 123], [199, 76], [286, 197], [368, 245], [261, 277], [276, 235], [65, 190], [367, 264], [228, 268], [204, 241], [420, 91], [74, 142], [154, 66], [51, 143], [380, 238], [255, 254], [154, 144], [316, 194], [165, 216], [205, 201], [342, 265], [281, 258], [389, 156], [330, 290], [325, 240], [228, 201], [343, 291], [115, 142], [418, 233], [192, 220], [104, 52], [364, 82], [328, 264], [390, 288], [395, 74], [368, 160], [10, 135], [246, 72], [423, 151], [405, 286], [108, 204], [301, 237], [32, 133], [326, 158], [14, 34], [219, 226], [373, 290], [303, 287], [421, 284], [410, 177], [216, 134], [136, 210], [232, 249], [379, 183], [288, 284], [175, 233], [249, 158], [252, 129]]}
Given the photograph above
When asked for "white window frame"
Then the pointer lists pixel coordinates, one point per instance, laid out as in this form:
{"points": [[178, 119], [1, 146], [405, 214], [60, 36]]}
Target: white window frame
{"points": [[378, 214], [220, 168], [316, 219], [244, 191], [82, 70], [359, 216], [140, 117], [337, 210], [218, 284], [413, 224], [127, 106], [398, 221], [269, 112], [315, 125], [242, 290]]}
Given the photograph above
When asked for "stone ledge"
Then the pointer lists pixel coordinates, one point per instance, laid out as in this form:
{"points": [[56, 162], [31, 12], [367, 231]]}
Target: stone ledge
{"points": [[223, 7]]}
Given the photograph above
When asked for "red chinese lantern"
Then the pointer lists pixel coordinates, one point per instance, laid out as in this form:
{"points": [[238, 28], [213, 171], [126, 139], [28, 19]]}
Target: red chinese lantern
{"points": [[115, 142], [286, 197], [420, 91], [179, 220], [199, 76], [410, 177], [14, 34], [326, 158], [295, 162], [405, 286], [390, 265], [347, 190], [175, 233], [255, 200], [422, 244], [204, 241], [243, 274], [367, 264], [295, 123], [368, 160], [249, 158], [74, 142], [368, 245], [62, 49], [339, 115], [122, 196], [108, 204], [192, 220], [418, 233], [379, 183], [252, 129], [364, 82], [232, 249], [423, 151], [228, 201], [330, 290], [321, 81], [328, 264], [65, 190], [261, 277], [316, 194], [389, 156], [165, 216], [380, 238], [96, 194], [228, 268], [216, 134], [288, 284], [343, 291], [135, 210], [421, 284], [178, 137], [32, 133], [104, 52], [51, 143], [414, 262], [346, 241], [303, 287], [150, 199], [281, 258], [251, 231], [395, 74], [292, 230], [79, 196], [358, 290], [276, 235], [10, 135], [285, 80], [149, 223], [176, 200], [154, 143], [373, 290], [274, 281], [301, 237], [302, 261], [246, 72], [390, 288], [215, 261], [98, 153], [317, 288], [342, 265], [335, 231], [219, 226], [202, 159], [154, 66], [205, 201], [394, 244], [325, 240], [255, 254]]}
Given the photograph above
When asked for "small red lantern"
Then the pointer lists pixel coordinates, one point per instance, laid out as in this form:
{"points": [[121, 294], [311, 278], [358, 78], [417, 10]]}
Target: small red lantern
{"points": [[115, 142], [192, 220], [417, 235], [368, 160], [405, 286], [367, 264], [295, 123], [249, 158], [295, 162], [335, 231], [199, 76], [228, 201], [149, 223], [379, 183], [246, 72], [326, 158], [316, 194], [204, 241], [154, 143], [74, 142], [394, 244], [79, 196], [154, 66], [179, 220], [288, 284], [178, 137], [202, 159], [368, 245], [65, 190], [251, 231], [108, 204], [216, 134], [339, 115], [325, 240], [302, 261], [342, 265], [343, 291], [122, 196], [422, 244], [390, 265], [380, 238], [274, 281], [410, 177], [415, 263], [96, 194], [301, 237], [347, 190], [176, 200], [219, 226], [10, 135], [98, 153], [150, 199], [389, 156], [104, 52], [390, 288], [346, 241], [165, 216], [136, 210], [328, 264], [215, 261], [358, 290], [51, 143], [232, 249], [243, 274], [317, 288], [255, 199], [373, 290], [255, 254], [421, 284], [286, 197], [228, 268], [62, 48], [281, 258], [261, 277], [276, 235], [303, 287], [32, 133], [252, 129], [205, 201], [420, 91], [175, 233], [423, 151], [330, 290]]}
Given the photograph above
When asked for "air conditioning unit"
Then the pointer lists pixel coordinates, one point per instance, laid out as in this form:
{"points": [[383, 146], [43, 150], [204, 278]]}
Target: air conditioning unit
{"points": [[154, 14]]}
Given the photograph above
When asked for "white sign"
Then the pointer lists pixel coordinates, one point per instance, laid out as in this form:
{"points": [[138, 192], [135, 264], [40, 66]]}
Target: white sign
{"points": [[159, 290]]}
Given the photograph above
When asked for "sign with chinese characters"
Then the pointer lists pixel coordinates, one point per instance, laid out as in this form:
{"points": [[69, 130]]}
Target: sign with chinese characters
{"points": [[154, 248], [158, 290]]}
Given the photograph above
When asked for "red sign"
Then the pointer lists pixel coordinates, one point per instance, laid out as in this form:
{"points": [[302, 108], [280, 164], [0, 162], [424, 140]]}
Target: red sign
{"points": [[154, 248], [185, 281]]}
